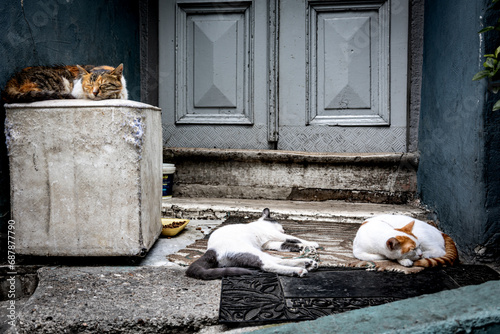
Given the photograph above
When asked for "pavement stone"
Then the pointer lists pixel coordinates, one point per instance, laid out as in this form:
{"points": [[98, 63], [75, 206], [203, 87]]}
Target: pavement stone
{"points": [[471, 309], [119, 300]]}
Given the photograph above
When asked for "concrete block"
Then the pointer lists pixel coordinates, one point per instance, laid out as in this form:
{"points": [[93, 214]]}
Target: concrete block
{"points": [[85, 177]]}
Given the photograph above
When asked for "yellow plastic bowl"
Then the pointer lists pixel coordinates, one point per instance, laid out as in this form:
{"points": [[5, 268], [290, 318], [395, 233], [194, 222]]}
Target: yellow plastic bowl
{"points": [[169, 231]]}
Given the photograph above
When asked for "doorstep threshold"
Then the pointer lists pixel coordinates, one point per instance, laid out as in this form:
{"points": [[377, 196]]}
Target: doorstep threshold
{"points": [[328, 211]]}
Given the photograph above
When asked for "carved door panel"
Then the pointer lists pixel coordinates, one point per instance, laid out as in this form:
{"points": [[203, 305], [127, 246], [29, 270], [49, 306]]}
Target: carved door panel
{"points": [[214, 74], [324, 76], [349, 61]]}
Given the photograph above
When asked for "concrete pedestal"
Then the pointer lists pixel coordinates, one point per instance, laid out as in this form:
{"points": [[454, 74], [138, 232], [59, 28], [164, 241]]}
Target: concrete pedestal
{"points": [[85, 177]]}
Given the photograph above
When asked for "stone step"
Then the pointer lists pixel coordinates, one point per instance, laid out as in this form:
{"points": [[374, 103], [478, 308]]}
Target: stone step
{"points": [[328, 211], [302, 176]]}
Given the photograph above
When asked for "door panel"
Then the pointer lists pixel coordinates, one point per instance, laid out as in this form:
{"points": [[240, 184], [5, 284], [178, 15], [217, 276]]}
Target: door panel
{"points": [[348, 57], [323, 76], [215, 84], [212, 64], [349, 73]]}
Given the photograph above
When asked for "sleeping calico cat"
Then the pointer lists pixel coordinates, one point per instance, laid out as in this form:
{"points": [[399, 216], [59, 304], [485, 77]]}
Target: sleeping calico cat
{"points": [[234, 248], [404, 239], [66, 82]]}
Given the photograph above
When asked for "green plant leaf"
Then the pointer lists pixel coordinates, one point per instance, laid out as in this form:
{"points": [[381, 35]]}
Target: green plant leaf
{"points": [[496, 106], [490, 63], [488, 28], [481, 74], [494, 72]]}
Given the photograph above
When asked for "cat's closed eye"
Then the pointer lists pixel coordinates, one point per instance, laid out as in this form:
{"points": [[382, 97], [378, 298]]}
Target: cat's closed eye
{"points": [[109, 86]]}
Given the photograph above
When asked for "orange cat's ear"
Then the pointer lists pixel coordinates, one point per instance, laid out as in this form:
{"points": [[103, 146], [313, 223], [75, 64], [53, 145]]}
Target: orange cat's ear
{"points": [[82, 70], [118, 70], [392, 243], [408, 227]]}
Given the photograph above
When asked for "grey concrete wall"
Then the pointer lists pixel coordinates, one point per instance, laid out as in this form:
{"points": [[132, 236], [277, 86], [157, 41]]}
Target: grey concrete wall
{"points": [[458, 134], [45, 32]]}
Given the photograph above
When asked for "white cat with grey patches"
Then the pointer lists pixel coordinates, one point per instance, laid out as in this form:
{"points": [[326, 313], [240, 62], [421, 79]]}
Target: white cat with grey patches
{"points": [[232, 249]]}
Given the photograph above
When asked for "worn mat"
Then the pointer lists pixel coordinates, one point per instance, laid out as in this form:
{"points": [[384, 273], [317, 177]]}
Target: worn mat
{"points": [[335, 240], [266, 297]]}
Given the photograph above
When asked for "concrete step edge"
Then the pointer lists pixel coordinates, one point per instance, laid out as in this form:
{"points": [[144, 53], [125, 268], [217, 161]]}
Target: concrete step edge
{"points": [[328, 211], [175, 154]]}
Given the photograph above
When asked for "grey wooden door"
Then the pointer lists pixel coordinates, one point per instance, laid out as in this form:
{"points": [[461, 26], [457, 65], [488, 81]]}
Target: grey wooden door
{"points": [[323, 76]]}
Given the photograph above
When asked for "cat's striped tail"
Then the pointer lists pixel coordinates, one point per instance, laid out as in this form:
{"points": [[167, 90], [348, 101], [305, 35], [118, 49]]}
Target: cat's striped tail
{"points": [[206, 267], [449, 259]]}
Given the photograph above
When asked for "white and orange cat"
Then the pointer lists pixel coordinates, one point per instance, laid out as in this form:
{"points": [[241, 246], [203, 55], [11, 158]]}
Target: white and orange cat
{"points": [[407, 240]]}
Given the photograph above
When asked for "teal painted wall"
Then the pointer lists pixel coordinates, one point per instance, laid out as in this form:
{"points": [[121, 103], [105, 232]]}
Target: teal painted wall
{"points": [[46, 32], [492, 150], [458, 134]]}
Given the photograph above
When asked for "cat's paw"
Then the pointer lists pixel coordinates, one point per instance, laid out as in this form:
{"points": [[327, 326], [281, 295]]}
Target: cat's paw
{"points": [[308, 249], [405, 262], [312, 244], [302, 272], [426, 255], [311, 265]]}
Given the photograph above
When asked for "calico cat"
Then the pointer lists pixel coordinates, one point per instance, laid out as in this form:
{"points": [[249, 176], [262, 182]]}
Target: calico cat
{"points": [[409, 241], [232, 249], [102, 82], [40, 83]]}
